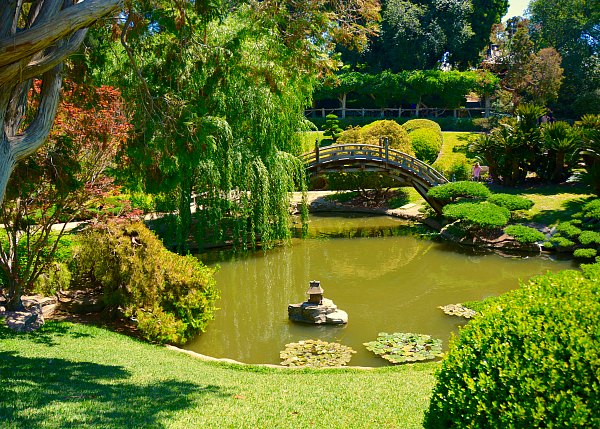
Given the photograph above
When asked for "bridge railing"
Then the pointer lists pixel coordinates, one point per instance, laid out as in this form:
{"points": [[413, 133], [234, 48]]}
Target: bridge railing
{"points": [[365, 152]]}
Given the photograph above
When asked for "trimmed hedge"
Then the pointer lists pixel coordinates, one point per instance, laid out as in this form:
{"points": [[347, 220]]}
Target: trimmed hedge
{"points": [[585, 253], [524, 234], [530, 360], [511, 202], [478, 215], [398, 137], [453, 190], [418, 124], [426, 143]]}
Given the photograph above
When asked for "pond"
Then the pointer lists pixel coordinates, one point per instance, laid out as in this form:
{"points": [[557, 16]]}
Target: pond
{"points": [[386, 280]]}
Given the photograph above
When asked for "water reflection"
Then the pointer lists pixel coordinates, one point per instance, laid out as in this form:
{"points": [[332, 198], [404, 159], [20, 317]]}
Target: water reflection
{"points": [[388, 282]]}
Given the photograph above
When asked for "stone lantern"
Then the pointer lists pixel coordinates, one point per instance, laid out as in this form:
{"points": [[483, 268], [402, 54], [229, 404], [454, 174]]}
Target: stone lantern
{"points": [[315, 292]]}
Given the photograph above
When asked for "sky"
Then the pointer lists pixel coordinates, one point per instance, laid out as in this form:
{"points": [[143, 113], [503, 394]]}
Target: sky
{"points": [[516, 8]]}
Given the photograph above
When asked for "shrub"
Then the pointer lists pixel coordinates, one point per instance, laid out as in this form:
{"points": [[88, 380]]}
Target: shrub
{"points": [[585, 253], [418, 124], [530, 360], [568, 229], [453, 190], [524, 234], [171, 296], [457, 169], [511, 202], [426, 144], [398, 137], [591, 210], [350, 135], [478, 215], [589, 237], [332, 130], [558, 241], [55, 277]]}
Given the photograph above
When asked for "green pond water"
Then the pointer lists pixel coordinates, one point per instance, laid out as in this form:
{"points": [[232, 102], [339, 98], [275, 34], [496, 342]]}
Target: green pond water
{"points": [[385, 280]]}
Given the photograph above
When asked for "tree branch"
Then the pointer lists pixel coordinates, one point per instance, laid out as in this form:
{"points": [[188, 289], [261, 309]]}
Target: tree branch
{"points": [[65, 22], [36, 133]]}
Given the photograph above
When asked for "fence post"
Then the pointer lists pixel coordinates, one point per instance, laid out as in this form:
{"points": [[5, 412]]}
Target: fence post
{"points": [[387, 153]]}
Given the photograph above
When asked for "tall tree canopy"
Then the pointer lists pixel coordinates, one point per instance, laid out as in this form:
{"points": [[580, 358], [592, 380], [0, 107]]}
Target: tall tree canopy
{"points": [[219, 98], [573, 28], [418, 34], [35, 38]]}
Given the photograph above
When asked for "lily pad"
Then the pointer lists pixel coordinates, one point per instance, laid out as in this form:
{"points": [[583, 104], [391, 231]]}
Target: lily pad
{"points": [[458, 310], [403, 347], [315, 353]]}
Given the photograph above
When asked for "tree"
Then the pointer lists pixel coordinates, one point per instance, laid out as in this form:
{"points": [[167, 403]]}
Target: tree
{"points": [[35, 38], [53, 185], [570, 26], [219, 99]]}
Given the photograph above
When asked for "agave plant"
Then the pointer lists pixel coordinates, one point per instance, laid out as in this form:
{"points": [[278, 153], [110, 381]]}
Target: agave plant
{"points": [[405, 347]]}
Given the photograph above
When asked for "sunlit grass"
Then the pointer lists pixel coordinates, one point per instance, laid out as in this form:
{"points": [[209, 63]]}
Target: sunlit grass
{"points": [[79, 376]]}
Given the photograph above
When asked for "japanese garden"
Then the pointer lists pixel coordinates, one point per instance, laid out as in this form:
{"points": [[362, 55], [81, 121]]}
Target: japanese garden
{"points": [[299, 214]]}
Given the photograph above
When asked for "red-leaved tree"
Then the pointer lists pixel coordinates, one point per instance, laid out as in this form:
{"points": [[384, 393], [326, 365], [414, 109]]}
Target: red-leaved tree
{"points": [[52, 186]]}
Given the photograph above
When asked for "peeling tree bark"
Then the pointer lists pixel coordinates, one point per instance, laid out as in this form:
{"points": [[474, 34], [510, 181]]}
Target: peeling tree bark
{"points": [[50, 31]]}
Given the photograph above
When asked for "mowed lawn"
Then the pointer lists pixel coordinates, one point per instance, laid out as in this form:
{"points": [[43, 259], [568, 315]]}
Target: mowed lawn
{"points": [[70, 375]]}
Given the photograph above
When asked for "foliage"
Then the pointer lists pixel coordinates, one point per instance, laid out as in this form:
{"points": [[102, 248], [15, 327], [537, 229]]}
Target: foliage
{"points": [[55, 277], [511, 202], [426, 143], [524, 234], [402, 347], [315, 353], [452, 191], [562, 144], [332, 130], [417, 124], [589, 237], [531, 358], [585, 253], [561, 242], [435, 88], [478, 215], [571, 27], [61, 180], [397, 137], [171, 296], [589, 128]]}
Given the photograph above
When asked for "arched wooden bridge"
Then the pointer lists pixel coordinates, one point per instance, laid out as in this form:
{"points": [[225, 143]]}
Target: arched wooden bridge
{"points": [[400, 166]]}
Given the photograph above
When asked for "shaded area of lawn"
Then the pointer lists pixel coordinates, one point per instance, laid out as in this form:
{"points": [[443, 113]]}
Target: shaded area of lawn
{"points": [[72, 375], [554, 203]]}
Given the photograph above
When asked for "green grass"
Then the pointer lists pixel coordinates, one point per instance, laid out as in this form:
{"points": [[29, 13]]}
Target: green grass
{"points": [[552, 203], [79, 376], [453, 150]]}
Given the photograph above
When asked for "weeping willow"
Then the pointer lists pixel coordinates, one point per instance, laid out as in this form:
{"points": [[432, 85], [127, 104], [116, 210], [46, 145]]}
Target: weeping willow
{"points": [[217, 115]]}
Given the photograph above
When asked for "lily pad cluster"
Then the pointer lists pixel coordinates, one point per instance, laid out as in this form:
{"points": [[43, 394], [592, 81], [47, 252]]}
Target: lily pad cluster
{"points": [[458, 310], [403, 347], [315, 353]]}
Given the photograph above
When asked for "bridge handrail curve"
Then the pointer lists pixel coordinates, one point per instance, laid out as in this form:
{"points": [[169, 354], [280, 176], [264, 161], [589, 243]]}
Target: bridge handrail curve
{"points": [[382, 154]]}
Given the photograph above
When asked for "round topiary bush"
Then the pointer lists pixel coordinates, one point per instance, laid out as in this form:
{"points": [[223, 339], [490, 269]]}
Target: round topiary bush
{"points": [[418, 124], [511, 202], [530, 360], [568, 229], [524, 234], [478, 215], [452, 191], [397, 136], [426, 144]]}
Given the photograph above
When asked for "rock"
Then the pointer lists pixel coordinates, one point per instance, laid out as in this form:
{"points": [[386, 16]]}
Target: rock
{"points": [[324, 313]]}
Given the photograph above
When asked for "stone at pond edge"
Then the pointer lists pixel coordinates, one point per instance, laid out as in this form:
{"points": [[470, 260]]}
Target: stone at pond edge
{"points": [[325, 313]]}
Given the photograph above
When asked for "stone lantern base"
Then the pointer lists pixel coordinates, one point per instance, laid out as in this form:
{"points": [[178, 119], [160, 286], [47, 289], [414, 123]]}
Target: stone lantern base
{"points": [[324, 313]]}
